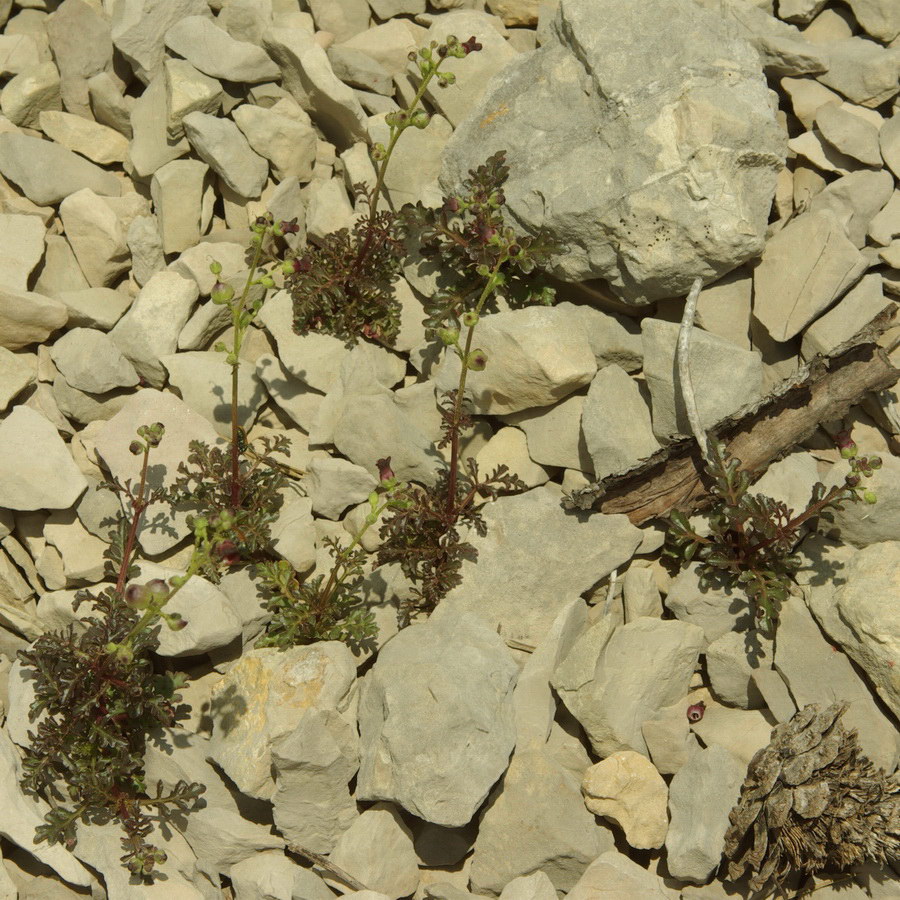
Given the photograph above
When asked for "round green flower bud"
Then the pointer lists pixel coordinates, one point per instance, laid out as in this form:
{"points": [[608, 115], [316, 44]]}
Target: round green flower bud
{"points": [[448, 336], [136, 447], [122, 653], [157, 588], [476, 360], [869, 496], [137, 596], [470, 318], [221, 293], [215, 267]]}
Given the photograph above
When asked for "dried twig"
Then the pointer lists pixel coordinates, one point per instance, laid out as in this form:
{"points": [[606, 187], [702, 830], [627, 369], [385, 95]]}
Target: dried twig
{"points": [[684, 368], [323, 863]]}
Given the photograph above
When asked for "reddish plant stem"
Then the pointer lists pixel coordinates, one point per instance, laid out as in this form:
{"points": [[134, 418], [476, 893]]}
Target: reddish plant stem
{"points": [[797, 521], [460, 392], [138, 505]]}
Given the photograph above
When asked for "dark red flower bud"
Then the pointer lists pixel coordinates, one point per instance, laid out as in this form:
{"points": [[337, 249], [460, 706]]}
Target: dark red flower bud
{"points": [[451, 204], [302, 264], [228, 552], [262, 220], [695, 711], [384, 468]]}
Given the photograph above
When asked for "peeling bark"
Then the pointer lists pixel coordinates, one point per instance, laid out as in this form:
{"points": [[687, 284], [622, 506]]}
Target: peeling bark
{"points": [[759, 434]]}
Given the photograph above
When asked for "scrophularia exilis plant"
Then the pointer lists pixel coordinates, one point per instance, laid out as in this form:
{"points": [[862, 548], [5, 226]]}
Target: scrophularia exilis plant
{"points": [[98, 691], [752, 538], [470, 236], [341, 286]]}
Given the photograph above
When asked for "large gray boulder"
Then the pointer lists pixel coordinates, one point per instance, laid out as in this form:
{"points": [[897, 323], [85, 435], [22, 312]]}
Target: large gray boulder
{"points": [[650, 148], [436, 718]]}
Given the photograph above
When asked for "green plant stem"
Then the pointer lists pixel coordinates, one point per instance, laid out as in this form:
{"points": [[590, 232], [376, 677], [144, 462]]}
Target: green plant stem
{"points": [[396, 131], [452, 508], [375, 196], [335, 580], [138, 505], [236, 312]]}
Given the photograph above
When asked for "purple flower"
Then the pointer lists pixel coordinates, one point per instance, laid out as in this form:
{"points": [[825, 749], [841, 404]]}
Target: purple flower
{"points": [[385, 472], [695, 711], [471, 45], [228, 552]]}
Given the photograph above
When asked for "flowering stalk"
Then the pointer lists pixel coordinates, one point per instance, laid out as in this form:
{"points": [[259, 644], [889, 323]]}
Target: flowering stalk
{"points": [[400, 120], [242, 316], [393, 492], [152, 435], [476, 361]]}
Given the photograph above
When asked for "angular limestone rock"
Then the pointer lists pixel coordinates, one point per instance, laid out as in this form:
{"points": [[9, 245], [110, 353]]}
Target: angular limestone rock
{"points": [[188, 90], [334, 484], [614, 874], [616, 422], [150, 328], [862, 70], [725, 377], [28, 318], [438, 744], [21, 248], [562, 840], [307, 74], [139, 28], [804, 269], [47, 173], [614, 680], [204, 381], [862, 601], [535, 357], [212, 50], [29, 93], [287, 141], [36, 468], [627, 789], [817, 672], [582, 105], [98, 143], [90, 361], [701, 795], [377, 849], [511, 587], [264, 696], [219, 143], [313, 764], [177, 189]]}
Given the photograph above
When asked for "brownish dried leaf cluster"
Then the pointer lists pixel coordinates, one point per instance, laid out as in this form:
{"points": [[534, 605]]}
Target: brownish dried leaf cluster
{"points": [[812, 801]]}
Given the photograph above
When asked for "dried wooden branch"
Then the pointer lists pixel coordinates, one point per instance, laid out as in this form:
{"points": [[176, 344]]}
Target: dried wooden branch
{"points": [[324, 863], [757, 435]]}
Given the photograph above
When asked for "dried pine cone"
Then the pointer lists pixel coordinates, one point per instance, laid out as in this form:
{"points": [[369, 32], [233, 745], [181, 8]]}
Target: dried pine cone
{"points": [[812, 801]]}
